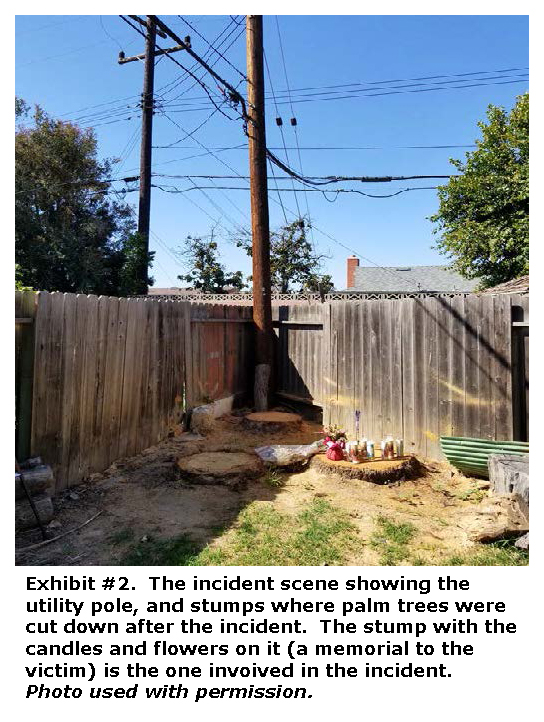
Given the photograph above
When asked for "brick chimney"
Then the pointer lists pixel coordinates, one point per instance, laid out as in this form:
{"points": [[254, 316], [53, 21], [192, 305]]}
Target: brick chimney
{"points": [[353, 263]]}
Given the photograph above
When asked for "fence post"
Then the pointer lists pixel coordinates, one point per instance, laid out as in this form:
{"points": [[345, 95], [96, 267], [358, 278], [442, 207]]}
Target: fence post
{"points": [[188, 346], [327, 363], [25, 313]]}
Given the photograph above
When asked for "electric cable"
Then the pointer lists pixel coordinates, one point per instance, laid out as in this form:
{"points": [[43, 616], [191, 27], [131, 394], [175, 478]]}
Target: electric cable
{"points": [[179, 81], [192, 27], [294, 127], [281, 129]]}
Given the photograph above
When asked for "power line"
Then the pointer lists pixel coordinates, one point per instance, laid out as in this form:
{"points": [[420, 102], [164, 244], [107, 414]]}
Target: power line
{"points": [[326, 179], [277, 190], [46, 27], [174, 60], [327, 87], [294, 126], [331, 179], [192, 27], [408, 80], [235, 96], [187, 134], [205, 212], [336, 191], [61, 55], [152, 233], [358, 91], [280, 127], [216, 157], [129, 147], [351, 250], [108, 34], [179, 81], [392, 92], [98, 105], [243, 146], [234, 224], [319, 181]]}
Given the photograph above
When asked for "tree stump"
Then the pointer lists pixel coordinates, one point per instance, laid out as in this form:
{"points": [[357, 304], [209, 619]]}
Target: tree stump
{"points": [[272, 421], [220, 467], [509, 474], [378, 472]]}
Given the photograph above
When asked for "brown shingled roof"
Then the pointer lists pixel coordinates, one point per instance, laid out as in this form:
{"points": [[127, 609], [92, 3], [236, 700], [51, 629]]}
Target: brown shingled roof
{"points": [[518, 285]]}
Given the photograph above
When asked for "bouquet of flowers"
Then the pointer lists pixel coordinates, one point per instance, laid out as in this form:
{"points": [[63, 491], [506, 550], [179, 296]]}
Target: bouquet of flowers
{"points": [[334, 433], [335, 441]]}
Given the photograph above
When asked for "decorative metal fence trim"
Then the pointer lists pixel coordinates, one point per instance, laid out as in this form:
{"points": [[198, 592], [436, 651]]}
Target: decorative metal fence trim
{"points": [[309, 297]]}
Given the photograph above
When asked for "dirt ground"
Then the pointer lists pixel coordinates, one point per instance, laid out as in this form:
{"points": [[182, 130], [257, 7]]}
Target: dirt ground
{"points": [[145, 495]]}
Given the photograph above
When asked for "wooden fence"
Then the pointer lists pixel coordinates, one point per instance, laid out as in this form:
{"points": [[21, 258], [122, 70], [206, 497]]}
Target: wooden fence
{"points": [[299, 352], [417, 369], [25, 308], [102, 378], [222, 352]]}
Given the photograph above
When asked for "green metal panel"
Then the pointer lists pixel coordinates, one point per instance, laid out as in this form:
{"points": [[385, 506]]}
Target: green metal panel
{"points": [[470, 455]]}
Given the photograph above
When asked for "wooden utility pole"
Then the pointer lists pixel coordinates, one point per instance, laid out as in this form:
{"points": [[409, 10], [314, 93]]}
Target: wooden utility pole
{"points": [[144, 208], [262, 296]]}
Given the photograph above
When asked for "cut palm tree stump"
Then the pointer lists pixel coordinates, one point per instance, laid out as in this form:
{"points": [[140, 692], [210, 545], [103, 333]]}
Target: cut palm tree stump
{"points": [[220, 467], [378, 472], [272, 421]]}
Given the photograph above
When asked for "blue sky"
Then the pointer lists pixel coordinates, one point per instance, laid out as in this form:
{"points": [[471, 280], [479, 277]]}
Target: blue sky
{"points": [[68, 64]]}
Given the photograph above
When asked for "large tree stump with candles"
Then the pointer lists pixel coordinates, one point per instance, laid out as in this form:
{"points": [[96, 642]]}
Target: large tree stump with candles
{"points": [[378, 471]]}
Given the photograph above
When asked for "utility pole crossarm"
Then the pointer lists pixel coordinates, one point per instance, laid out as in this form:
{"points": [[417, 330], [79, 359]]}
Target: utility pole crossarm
{"points": [[161, 51], [144, 205]]}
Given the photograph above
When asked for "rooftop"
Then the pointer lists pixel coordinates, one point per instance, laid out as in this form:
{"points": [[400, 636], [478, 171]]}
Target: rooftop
{"points": [[411, 279], [518, 285]]}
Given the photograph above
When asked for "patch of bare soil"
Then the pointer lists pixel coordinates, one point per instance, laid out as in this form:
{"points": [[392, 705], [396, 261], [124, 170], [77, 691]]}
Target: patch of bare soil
{"points": [[145, 497]]}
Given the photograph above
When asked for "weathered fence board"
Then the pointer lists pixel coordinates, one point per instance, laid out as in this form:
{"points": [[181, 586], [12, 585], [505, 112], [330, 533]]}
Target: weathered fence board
{"points": [[222, 351], [25, 309], [416, 368], [112, 375], [299, 351]]}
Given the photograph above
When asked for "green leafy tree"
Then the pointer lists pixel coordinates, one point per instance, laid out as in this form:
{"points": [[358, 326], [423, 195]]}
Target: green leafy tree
{"points": [[21, 108], [70, 234], [293, 260], [317, 283], [483, 218], [19, 285], [131, 282], [206, 273]]}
